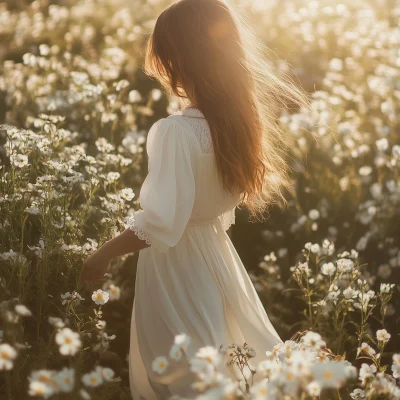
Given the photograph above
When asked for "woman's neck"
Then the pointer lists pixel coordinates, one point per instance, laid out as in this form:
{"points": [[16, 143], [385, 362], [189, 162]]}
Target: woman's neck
{"points": [[191, 105]]}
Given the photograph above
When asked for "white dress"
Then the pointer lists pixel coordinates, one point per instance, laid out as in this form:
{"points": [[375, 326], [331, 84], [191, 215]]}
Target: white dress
{"points": [[191, 279]]}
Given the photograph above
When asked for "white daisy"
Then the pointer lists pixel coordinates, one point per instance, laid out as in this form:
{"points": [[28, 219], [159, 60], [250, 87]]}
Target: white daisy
{"points": [[40, 389], [100, 297], [314, 214], [69, 341], [313, 389], [396, 360], [366, 348], [288, 345], [175, 352], [267, 367], [350, 293], [350, 371], [19, 160], [127, 194], [22, 310], [290, 381], [209, 354], [65, 379], [396, 366], [101, 324], [46, 376], [114, 292], [134, 96], [328, 269], [92, 379], [106, 373], [160, 364], [329, 374], [7, 356], [57, 322], [344, 264], [386, 287], [366, 372], [259, 391], [313, 340], [383, 336], [182, 341]]}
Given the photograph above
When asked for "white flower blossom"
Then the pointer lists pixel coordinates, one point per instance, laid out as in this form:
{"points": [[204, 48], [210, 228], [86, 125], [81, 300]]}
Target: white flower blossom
{"points": [[382, 335], [160, 364], [114, 292], [69, 341], [314, 389], [92, 379], [7, 356], [107, 374], [329, 374], [100, 297], [366, 372], [19, 160], [22, 310], [175, 352], [328, 269], [183, 341], [65, 379]]}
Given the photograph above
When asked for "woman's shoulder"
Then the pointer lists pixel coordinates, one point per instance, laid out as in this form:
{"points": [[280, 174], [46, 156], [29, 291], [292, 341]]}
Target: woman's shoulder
{"points": [[187, 125], [177, 120], [168, 124], [172, 126]]}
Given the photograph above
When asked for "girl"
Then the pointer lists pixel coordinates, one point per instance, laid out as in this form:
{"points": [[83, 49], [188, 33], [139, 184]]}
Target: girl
{"points": [[224, 149]]}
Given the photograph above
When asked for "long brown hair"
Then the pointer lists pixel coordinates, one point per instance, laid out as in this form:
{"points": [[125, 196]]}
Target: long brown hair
{"points": [[204, 50]]}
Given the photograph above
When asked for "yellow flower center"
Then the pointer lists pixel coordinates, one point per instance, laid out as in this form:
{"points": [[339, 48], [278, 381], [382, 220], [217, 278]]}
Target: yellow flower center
{"points": [[68, 340], [328, 375], [161, 365], [99, 296], [93, 379], [5, 355]]}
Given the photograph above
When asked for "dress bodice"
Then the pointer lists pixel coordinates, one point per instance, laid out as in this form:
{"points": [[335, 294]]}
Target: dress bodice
{"points": [[211, 199], [183, 187]]}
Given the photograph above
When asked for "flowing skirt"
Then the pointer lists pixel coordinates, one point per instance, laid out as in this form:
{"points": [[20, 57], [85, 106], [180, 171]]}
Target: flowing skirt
{"points": [[200, 288]]}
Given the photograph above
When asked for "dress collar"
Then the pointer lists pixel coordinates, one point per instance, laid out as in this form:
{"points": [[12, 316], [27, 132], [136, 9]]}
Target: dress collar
{"points": [[190, 112]]}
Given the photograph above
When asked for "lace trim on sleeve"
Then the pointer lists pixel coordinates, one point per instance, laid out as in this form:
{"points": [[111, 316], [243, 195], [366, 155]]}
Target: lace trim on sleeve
{"points": [[141, 234], [228, 219]]}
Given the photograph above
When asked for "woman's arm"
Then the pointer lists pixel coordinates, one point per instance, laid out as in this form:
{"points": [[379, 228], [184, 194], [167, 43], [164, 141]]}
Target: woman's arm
{"points": [[95, 266]]}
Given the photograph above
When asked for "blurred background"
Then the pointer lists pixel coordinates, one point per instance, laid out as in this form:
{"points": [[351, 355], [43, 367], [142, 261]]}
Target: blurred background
{"points": [[80, 59]]}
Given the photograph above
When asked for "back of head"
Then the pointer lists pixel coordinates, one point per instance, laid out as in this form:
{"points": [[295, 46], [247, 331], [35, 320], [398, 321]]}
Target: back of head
{"points": [[203, 50]]}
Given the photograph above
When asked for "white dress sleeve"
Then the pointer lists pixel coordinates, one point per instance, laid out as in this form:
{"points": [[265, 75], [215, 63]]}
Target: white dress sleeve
{"points": [[167, 194]]}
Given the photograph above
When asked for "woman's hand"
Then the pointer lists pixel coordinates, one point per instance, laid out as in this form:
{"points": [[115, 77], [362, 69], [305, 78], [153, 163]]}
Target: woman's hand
{"points": [[96, 265], [94, 268]]}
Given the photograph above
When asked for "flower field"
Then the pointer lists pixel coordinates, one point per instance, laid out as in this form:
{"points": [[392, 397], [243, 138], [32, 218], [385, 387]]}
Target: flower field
{"points": [[75, 108]]}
